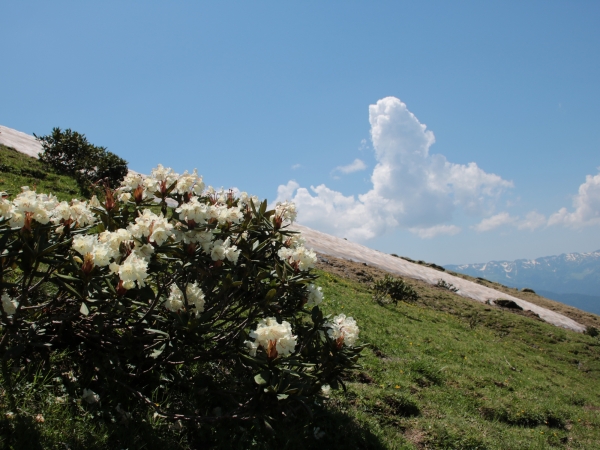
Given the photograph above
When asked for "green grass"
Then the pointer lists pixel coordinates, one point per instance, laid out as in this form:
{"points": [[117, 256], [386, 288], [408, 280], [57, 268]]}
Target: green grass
{"points": [[445, 372], [448, 372], [17, 169]]}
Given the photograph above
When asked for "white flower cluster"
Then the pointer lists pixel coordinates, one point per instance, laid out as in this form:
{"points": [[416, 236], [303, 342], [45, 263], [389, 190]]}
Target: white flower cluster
{"points": [[9, 305], [247, 201], [315, 296], [268, 334], [42, 208], [194, 295], [221, 250], [161, 179], [106, 246], [285, 211], [344, 328], [200, 213], [156, 228], [133, 269], [131, 183], [77, 213], [300, 257]]}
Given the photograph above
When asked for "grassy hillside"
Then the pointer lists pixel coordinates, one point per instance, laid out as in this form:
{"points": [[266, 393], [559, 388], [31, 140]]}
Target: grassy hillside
{"points": [[445, 372], [448, 372], [17, 169]]}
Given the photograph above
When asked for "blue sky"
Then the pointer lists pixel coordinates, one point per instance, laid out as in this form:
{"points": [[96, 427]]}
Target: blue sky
{"points": [[268, 95]]}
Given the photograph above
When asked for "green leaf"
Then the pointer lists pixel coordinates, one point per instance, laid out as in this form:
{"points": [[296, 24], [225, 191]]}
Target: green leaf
{"points": [[270, 295], [156, 353], [259, 379], [282, 396], [152, 330], [66, 277], [72, 290], [84, 309]]}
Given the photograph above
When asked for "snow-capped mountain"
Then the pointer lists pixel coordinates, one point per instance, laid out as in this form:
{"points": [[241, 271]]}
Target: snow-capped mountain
{"points": [[569, 273]]}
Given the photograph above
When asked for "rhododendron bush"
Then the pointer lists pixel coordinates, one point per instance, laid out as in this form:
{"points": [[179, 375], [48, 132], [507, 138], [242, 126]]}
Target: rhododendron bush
{"points": [[196, 303]]}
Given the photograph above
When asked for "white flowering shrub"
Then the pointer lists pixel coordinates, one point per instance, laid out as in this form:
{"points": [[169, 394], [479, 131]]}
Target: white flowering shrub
{"points": [[196, 303]]}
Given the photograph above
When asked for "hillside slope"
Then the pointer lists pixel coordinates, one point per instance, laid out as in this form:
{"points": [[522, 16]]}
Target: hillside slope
{"points": [[331, 245]]}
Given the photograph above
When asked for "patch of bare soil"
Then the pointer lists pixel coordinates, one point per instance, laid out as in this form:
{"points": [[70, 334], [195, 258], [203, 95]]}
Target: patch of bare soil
{"points": [[416, 437]]}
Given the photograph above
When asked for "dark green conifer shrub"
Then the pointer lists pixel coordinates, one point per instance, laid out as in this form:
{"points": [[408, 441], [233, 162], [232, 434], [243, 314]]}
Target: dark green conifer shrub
{"points": [[69, 152]]}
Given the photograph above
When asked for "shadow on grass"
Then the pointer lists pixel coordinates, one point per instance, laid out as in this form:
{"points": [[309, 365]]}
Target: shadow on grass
{"points": [[331, 429], [20, 433], [395, 310]]}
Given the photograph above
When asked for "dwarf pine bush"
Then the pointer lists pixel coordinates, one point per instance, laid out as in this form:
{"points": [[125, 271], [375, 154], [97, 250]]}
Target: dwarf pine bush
{"points": [[69, 152], [205, 313], [390, 289]]}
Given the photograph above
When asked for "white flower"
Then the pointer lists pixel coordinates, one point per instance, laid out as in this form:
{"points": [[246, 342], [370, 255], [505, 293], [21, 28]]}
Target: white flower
{"points": [[115, 238], [133, 269], [217, 252], [189, 182], [194, 294], [232, 254], [252, 347], [195, 297], [38, 207], [9, 305], [81, 213], [299, 256], [77, 212], [175, 301], [94, 202], [102, 254], [247, 201], [131, 181], [269, 331], [286, 211], [325, 390], [344, 328], [90, 396], [155, 228], [84, 244], [194, 210], [226, 214], [161, 177], [124, 197], [144, 251], [315, 296], [224, 250]]}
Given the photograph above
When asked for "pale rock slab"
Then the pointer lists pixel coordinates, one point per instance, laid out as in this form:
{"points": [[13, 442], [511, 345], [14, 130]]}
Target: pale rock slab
{"points": [[341, 248]]}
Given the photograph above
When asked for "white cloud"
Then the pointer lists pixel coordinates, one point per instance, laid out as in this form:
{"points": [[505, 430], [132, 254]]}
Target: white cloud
{"points": [[296, 166], [437, 230], [495, 221], [586, 204], [532, 221], [355, 166], [411, 188]]}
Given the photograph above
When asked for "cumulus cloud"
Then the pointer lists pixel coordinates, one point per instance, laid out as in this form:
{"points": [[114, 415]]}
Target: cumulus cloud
{"points": [[356, 166], [412, 188], [437, 230], [495, 221], [533, 220], [586, 206]]}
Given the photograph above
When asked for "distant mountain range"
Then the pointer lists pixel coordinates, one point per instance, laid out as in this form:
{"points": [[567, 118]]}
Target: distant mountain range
{"points": [[571, 278]]}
